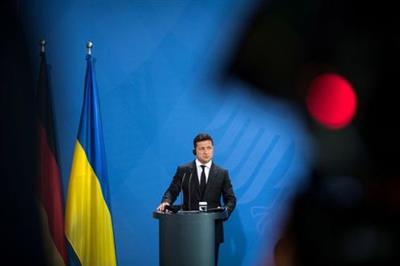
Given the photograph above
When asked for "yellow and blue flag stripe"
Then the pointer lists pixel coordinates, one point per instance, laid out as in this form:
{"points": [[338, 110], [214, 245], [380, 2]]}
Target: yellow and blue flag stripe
{"points": [[88, 219]]}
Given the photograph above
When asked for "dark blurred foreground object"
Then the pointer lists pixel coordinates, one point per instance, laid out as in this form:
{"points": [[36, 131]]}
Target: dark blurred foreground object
{"points": [[289, 42], [20, 228], [350, 212], [338, 221]]}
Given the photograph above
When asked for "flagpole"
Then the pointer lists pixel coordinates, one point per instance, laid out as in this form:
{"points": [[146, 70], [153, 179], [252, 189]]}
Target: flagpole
{"points": [[88, 219], [42, 46], [89, 47], [49, 178]]}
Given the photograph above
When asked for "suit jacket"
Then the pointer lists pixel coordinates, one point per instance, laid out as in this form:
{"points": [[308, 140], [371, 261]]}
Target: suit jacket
{"points": [[218, 185]]}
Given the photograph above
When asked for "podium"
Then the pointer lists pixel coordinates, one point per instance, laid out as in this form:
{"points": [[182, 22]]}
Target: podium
{"points": [[187, 238]]}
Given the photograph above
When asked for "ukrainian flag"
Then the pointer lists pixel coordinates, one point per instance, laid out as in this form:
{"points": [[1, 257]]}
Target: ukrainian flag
{"points": [[88, 221]]}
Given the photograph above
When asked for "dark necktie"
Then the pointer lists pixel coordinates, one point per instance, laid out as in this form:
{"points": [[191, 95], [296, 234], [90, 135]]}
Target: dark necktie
{"points": [[202, 181]]}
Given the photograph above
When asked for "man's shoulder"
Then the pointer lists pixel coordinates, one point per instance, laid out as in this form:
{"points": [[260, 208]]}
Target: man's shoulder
{"points": [[187, 165], [218, 168], [192, 164]]}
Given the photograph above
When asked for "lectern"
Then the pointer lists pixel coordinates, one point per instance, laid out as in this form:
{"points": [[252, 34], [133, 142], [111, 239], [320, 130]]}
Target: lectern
{"points": [[187, 238]]}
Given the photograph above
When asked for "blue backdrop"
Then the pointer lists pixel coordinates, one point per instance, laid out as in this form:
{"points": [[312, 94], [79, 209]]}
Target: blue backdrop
{"points": [[156, 63]]}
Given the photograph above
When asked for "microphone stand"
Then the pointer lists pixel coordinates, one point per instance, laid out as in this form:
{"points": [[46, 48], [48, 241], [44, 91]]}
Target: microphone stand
{"points": [[190, 188], [183, 181]]}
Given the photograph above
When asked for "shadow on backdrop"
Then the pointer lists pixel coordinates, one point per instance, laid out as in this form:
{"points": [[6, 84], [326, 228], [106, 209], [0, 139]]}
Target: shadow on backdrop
{"points": [[234, 247]]}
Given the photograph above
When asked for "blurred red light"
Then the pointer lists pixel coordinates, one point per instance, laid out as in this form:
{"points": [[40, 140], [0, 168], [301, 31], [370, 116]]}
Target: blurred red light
{"points": [[331, 100]]}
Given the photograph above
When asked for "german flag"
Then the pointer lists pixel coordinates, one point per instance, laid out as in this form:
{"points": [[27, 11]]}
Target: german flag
{"points": [[49, 181]]}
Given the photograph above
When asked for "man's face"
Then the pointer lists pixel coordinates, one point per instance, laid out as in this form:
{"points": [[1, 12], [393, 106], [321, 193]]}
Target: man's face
{"points": [[204, 151]]}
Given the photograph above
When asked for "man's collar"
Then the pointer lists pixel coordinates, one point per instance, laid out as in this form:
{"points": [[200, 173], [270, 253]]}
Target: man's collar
{"points": [[208, 165]]}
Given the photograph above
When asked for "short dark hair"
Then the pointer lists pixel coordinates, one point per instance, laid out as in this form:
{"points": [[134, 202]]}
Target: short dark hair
{"points": [[202, 137]]}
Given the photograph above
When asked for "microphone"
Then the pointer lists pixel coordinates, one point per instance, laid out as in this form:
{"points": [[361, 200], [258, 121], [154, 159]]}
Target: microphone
{"points": [[183, 178], [188, 170], [189, 188]]}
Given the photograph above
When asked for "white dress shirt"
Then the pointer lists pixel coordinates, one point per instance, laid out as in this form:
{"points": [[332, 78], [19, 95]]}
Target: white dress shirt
{"points": [[206, 169]]}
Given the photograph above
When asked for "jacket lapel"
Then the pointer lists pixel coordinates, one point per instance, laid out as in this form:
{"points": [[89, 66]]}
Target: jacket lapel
{"points": [[211, 178], [195, 182]]}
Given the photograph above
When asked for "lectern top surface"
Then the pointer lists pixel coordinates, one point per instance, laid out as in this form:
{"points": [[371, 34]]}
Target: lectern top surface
{"points": [[215, 214]]}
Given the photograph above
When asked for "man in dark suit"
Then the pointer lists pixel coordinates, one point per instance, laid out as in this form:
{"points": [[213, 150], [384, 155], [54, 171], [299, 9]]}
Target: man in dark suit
{"points": [[202, 180]]}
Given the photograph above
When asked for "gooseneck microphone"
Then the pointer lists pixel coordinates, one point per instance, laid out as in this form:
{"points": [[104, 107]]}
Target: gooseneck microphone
{"points": [[183, 180], [181, 190], [187, 171], [189, 189]]}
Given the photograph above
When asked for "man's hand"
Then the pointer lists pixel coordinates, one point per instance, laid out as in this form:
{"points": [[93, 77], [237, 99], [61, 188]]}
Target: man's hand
{"points": [[161, 207]]}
